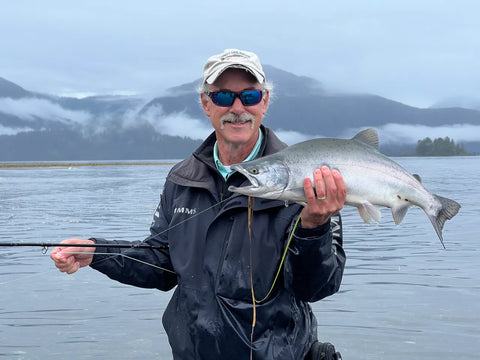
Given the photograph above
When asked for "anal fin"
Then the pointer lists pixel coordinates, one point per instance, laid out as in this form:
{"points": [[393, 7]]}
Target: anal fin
{"points": [[399, 212]]}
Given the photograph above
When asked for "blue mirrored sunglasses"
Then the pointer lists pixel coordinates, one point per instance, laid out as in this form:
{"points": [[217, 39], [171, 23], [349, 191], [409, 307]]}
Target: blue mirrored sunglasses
{"points": [[227, 97]]}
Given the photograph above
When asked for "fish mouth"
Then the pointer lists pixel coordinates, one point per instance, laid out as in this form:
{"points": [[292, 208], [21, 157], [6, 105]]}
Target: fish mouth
{"points": [[249, 190], [252, 179], [257, 188]]}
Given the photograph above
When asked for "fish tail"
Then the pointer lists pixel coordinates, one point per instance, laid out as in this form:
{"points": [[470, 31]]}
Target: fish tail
{"points": [[449, 208]]}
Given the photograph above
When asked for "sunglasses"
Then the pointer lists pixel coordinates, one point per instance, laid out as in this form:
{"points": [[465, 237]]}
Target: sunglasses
{"points": [[227, 97]]}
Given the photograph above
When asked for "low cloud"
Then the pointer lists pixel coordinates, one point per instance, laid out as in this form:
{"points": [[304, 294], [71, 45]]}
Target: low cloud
{"points": [[33, 108], [181, 124], [13, 130], [176, 124], [398, 134], [410, 134]]}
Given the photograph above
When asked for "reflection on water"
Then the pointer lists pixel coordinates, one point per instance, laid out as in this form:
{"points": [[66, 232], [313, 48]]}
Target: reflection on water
{"points": [[403, 296]]}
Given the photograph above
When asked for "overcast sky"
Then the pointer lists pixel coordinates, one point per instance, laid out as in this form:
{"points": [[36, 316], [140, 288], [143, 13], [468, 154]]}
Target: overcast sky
{"points": [[413, 51]]}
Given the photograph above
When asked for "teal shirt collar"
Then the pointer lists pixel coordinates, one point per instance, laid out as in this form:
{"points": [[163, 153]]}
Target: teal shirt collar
{"points": [[225, 170]]}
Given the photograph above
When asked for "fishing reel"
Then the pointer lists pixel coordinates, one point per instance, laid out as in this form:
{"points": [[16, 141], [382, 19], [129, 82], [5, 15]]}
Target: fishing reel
{"points": [[323, 351]]}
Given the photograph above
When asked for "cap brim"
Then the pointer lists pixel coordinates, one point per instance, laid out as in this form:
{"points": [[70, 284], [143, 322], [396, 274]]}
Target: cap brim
{"points": [[215, 74]]}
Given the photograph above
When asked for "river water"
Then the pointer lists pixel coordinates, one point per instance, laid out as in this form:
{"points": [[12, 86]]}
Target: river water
{"points": [[403, 295]]}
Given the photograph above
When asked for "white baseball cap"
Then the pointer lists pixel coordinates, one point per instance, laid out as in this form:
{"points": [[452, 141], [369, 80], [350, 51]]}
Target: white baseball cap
{"points": [[232, 58]]}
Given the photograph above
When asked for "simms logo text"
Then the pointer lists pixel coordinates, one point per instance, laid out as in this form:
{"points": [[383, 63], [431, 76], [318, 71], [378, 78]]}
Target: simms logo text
{"points": [[185, 210]]}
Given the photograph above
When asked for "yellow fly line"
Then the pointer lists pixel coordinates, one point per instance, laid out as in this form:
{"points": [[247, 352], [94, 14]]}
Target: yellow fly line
{"points": [[280, 265], [282, 260]]}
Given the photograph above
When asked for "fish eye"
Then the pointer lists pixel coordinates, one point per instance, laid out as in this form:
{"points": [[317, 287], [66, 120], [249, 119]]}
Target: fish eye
{"points": [[254, 171]]}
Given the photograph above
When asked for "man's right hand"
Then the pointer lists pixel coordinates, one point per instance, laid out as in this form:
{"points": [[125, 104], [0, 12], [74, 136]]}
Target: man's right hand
{"points": [[70, 258]]}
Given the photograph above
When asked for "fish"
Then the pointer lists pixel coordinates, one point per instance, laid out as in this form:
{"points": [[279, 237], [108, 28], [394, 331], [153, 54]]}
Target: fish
{"points": [[372, 179]]}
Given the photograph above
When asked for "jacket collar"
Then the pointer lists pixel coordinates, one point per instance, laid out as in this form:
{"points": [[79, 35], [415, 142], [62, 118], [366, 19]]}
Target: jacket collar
{"points": [[199, 169]]}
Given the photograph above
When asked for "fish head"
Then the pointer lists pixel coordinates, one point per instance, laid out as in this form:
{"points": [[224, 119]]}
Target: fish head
{"points": [[268, 178]]}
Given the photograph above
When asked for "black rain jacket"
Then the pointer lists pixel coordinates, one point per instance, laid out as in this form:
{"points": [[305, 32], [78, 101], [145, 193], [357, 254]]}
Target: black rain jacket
{"points": [[204, 228]]}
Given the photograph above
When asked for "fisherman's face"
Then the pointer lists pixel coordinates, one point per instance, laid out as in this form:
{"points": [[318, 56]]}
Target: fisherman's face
{"points": [[236, 125]]}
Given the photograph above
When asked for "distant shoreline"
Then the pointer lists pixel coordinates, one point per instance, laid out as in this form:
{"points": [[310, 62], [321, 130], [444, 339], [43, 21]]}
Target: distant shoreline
{"points": [[77, 164]]}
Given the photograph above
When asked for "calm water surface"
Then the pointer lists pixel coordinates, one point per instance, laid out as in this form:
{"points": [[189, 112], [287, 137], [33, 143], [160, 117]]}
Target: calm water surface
{"points": [[403, 295]]}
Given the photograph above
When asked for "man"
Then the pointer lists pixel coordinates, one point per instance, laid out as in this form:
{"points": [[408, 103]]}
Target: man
{"points": [[229, 302]]}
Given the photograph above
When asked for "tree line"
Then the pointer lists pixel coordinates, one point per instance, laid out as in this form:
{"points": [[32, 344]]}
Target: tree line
{"points": [[439, 147]]}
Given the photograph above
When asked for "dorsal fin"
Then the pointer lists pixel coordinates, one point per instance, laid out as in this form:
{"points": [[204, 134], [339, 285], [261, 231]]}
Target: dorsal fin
{"points": [[416, 176], [369, 137]]}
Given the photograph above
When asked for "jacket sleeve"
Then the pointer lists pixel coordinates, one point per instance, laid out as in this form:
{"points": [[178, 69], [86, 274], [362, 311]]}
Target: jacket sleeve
{"points": [[315, 261], [142, 267]]}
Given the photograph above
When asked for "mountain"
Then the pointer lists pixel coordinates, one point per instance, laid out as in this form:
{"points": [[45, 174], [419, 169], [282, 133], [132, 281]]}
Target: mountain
{"points": [[35, 126], [11, 90], [462, 102], [301, 104]]}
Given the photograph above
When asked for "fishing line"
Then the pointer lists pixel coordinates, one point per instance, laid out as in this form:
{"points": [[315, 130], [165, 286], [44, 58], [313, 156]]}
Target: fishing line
{"points": [[111, 255], [46, 245], [279, 269], [183, 221], [142, 245], [277, 274], [254, 309], [96, 262], [282, 260]]}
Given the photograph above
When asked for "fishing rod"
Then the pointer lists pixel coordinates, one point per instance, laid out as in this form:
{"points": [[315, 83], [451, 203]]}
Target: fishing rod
{"points": [[46, 245]]}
